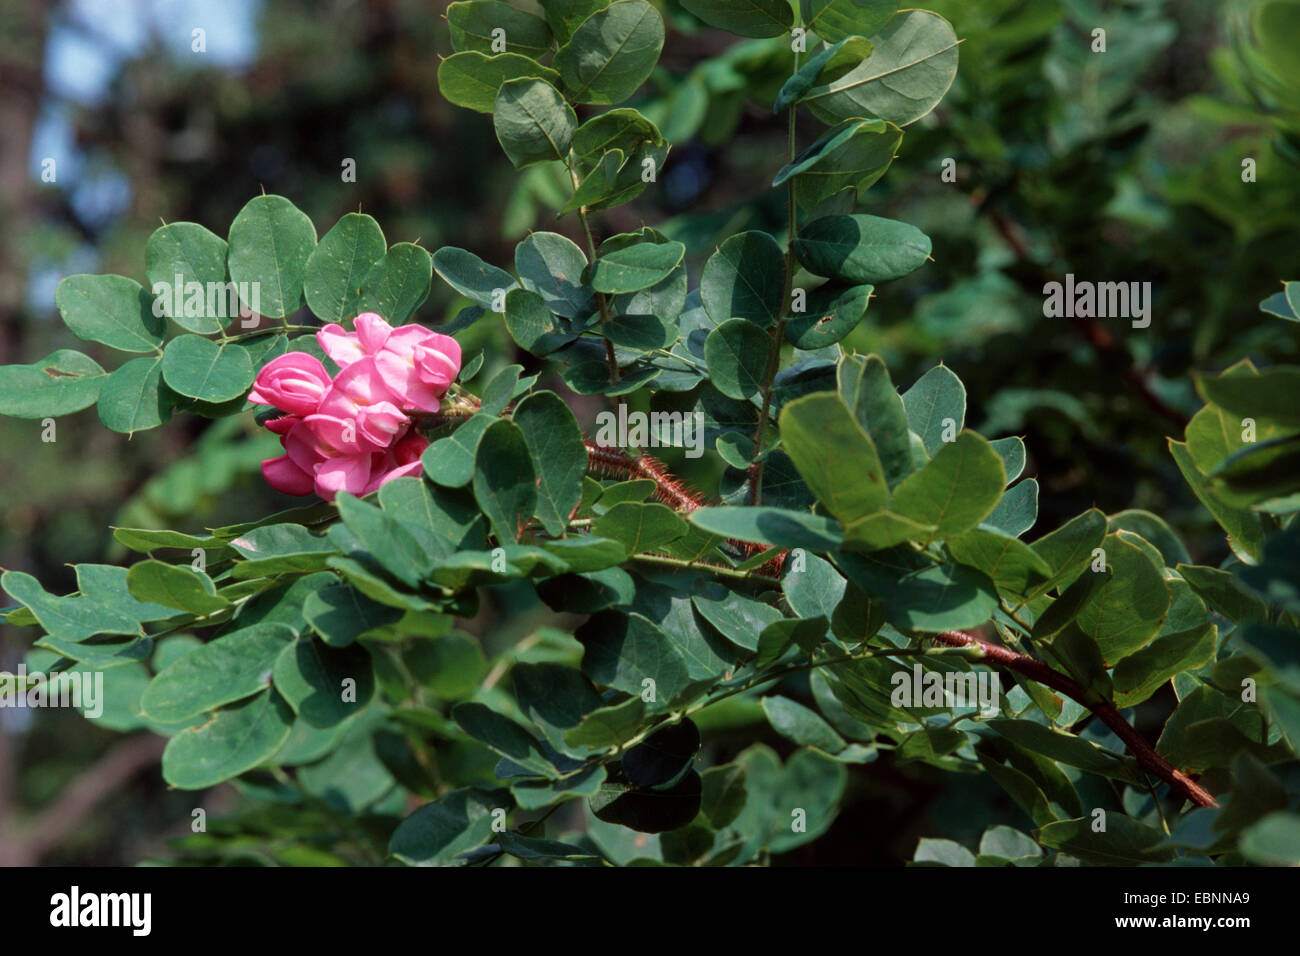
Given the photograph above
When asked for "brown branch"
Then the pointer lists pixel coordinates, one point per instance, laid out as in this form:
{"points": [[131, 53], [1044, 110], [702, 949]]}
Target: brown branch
{"points": [[1146, 755]]}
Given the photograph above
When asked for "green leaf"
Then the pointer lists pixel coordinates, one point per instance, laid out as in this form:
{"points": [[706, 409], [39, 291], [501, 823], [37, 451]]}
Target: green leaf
{"points": [[239, 738], [113, 310], [202, 369], [1155, 530], [134, 398], [533, 123], [801, 725], [1068, 549], [623, 129], [936, 405], [744, 279], [1265, 471], [650, 810], [551, 266], [398, 283], [612, 52], [630, 653], [942, 853], [865, 386], [63, 382], [746, 18], [1017, 511], [1066, 748], [837, 19], [450, 461], [471, 79], [1125, 612], [1144, 672], [736, 353], [635, 267], [439, 832], [1013, 565], [738, 618], [531, 848], [607, 727], [641, 332], [941, 598], [956, 489], [554, 696], [663, 756], [852, 155], [471, 276], [834, 455], [852, 49], [340, 614], [270, 243], [1274, 840], [772, 526], [229, 668], [861, 248], [533, 793], [504, 480], [1269, 394], [385, 537], [830, 313], [71, 618], [565, 15], [504, 736], [1008, 844], [1245, 527], [559, 456], [440, 519], [337, 268], [1066, 608], [187, 252], [1125, 842], [324, 685], [106, 585], [1224, 593], [640, 527], [174, 586], [723, 794], [472, 24], [912, 64], [810, 781]]}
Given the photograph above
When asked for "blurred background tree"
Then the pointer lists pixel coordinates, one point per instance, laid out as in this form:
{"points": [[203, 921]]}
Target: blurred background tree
{"points": [[1122, 165]]}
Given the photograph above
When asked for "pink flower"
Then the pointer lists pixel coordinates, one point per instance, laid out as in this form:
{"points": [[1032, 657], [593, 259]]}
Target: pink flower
{"points": [[346, 347], [283, 474], [419, 366], [352, 433], [359, 413], [293, 382], [415, 363]]}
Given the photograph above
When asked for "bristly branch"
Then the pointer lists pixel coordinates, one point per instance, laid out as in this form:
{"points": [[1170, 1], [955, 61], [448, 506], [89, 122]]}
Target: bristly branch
{"points": [[1146, 755]]}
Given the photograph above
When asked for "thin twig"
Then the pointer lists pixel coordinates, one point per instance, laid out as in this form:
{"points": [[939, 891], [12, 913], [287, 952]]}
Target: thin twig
{"points": [[1146, 755]]}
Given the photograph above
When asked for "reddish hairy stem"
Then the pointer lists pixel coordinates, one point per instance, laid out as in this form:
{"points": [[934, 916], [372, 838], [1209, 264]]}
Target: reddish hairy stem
{"points": [[668, 489], [1146, 755]]}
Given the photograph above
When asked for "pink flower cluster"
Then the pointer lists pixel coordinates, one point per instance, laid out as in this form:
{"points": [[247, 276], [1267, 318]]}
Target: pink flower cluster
{"points": [[353, 432]]}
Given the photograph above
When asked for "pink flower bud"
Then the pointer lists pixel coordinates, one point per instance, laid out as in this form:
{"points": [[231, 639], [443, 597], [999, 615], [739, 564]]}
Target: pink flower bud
{"points": [[294, 382], [418, 366]]}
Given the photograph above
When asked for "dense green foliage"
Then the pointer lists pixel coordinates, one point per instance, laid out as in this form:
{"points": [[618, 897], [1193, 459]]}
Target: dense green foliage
{"points": [[314, 656]]}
